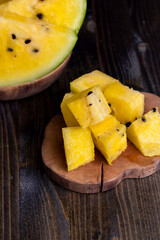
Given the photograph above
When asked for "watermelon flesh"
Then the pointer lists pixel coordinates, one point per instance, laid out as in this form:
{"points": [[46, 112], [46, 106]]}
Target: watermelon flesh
{"points": [[66, 13], [31, 48]]}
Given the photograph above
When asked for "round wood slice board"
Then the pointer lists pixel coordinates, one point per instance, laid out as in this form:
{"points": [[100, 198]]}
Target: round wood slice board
{"points": [[98, 175]]}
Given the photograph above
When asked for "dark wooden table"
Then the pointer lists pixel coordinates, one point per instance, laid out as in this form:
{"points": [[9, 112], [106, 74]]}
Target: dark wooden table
{"points": [[121, 38]]}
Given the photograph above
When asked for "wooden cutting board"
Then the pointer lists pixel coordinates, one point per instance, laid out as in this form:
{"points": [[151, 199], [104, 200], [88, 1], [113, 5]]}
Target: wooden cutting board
{"points": [[98, 175]]}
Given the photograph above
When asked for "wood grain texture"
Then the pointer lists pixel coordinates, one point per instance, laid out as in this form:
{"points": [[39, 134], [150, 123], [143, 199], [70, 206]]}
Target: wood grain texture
{"points": [[122, 39]]}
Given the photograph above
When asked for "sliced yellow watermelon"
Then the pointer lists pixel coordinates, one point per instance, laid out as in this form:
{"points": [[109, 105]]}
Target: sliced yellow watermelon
{"points": [[67, 13], [30, 48]]}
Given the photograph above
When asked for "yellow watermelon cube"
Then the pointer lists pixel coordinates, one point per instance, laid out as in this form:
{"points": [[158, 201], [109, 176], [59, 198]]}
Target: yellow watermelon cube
{"points": [[108, 123], [126, 104], [109, 137], [112, 142], [89, 106], [67, 114], [144, 133], [90, 80], [78, 145]]}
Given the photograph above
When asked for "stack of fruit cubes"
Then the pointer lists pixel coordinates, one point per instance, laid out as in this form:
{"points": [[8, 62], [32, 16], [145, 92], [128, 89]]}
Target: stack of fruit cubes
{"points": [[100, 111]]}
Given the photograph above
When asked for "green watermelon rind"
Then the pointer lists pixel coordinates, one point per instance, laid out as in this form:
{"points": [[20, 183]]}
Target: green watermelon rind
{"points": [[82, 16]]}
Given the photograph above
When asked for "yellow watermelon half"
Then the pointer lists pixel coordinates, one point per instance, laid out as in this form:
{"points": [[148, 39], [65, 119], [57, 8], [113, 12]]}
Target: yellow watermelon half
{"points": [[35, 42]]}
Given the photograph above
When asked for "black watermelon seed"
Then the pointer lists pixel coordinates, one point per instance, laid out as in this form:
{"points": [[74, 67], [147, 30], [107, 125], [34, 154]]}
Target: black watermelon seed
{"points": [[27, 41], [154, 109], [35, 50], [109, 104], [143, 119], [10, 49], [89, 93], [90, 104], [122, 134], [99, 100], [40, 15], [128, 124], [13, 36], [117, 130]]}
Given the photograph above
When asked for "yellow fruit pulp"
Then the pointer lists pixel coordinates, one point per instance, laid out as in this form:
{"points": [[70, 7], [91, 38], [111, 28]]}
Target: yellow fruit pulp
{"points": [[108, 123], [89, 106], [21, 61], [112, 142], [127, 104], [110, 137], [78, 106], [79, 147], [66, 13], [144, 133], [69, 118], [90, 80], [20, 7]]}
